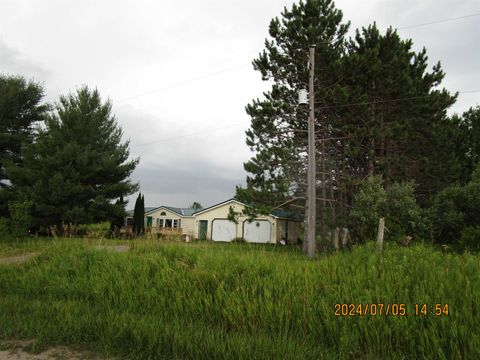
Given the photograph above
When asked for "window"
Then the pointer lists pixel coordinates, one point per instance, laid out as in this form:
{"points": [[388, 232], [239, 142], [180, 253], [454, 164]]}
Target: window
{"points": [[168, 223], [160, 222], [175, 223], [163, 213]]}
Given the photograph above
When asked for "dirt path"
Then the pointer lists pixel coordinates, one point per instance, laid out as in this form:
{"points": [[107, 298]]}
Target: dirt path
{"points": [[16, 350], [54, 353], [18, 259], [117, 248], [24, 257]]}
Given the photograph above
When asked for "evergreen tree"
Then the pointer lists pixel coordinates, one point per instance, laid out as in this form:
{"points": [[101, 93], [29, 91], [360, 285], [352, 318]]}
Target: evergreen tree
{"points": [[78, 166], [138, 216], [467, 141], [400, 112], [278, 133], [118, 218], [142, 215], [20, 110], [378, 112], [196, 205]]}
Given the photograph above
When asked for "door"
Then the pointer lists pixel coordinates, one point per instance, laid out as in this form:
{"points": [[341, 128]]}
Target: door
{"points": [[286, 231], [257, 231], [149, 221], [223, 230], [202, 229]]}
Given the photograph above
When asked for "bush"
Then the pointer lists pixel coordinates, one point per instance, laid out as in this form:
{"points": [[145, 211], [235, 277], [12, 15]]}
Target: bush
{"points": [[94, 231], [369, 205], [20, 218], [470, 238], [4, 227], [455, 214], [404, 216], [397, 205]]}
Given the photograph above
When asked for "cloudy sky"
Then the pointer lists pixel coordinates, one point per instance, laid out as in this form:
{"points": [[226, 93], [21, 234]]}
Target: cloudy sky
{"points": [[179, 73]]}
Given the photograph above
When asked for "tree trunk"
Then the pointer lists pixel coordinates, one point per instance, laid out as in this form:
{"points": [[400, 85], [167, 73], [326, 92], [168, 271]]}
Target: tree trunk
{"points": [[381, 231], [336, 233]]}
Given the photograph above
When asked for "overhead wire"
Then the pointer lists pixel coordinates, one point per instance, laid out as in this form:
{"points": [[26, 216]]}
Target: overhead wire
{"points": [[320, 108], [438, 21], [245, 64], [183, 82], [191, 134], [389, 100]]}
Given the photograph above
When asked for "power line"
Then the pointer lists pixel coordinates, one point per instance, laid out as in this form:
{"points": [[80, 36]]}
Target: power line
{"points": [[183, 82], [191, 134], [325, 107], [320, 108], [390, 100], [246, 64], [438, 21], [469, 91]]}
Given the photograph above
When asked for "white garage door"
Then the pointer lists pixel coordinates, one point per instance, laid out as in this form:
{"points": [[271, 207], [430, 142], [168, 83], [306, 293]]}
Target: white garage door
{"points": [[223, 230], [258, 231]]}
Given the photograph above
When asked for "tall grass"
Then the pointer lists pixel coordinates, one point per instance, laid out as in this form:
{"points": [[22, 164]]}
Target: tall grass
{"points": [[241, 301]]}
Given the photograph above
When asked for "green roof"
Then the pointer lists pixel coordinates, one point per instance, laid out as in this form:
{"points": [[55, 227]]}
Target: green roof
{"points": [[279, 213], [285, 215], [181, 211]]}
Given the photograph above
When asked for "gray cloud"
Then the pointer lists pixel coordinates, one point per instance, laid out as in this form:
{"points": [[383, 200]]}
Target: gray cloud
{"points": [[14, 62], [167, 185], [190, 138], [182, 168]]}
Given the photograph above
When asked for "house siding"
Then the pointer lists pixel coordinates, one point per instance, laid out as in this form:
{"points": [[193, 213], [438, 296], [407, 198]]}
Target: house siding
{"points": [[190, 224], [168, 215], [294, 230], [221, 212]]}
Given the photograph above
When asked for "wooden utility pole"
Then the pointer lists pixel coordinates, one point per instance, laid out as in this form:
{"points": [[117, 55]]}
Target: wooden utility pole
{"points": [[311, 191]]}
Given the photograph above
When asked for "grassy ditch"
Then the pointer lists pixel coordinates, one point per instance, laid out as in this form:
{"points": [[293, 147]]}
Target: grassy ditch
{"points": [[204, 300]]}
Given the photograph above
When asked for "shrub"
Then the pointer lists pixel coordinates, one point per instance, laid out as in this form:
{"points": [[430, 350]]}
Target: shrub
{"points": [[397, 205], [369, 205], [470, 238], [404, 216], [20, 218], [455, 213], [94, 231], [4, 227]]}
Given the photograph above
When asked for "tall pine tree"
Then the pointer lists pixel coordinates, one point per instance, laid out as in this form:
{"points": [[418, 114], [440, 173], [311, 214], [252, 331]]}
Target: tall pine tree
{"points": [[278, 133], [21, 109], [378, 111], [78, 166], [399, 110], [138, 216]]}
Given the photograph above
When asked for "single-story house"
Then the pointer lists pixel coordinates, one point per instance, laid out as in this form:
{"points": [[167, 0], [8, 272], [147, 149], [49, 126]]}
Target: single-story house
{"points": [[212, 223]]}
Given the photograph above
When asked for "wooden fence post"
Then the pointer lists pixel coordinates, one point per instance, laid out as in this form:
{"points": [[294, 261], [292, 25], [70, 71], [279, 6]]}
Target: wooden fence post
{"points": [[381, 231], [336, 233], [344, 237]]}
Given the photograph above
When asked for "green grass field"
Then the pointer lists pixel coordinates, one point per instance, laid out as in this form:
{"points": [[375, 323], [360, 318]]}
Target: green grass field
{"points": [[235, 301]]}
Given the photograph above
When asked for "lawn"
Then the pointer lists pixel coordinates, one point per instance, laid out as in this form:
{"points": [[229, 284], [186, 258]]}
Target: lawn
{"points": [[206, 300]]}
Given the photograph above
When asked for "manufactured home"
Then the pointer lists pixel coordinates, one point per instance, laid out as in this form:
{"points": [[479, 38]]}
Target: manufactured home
{"points": [[212, 223]]}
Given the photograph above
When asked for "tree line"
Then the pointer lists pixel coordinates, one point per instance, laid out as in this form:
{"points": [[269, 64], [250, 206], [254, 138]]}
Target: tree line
{"points": [[60, 164], [381, 122]]}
